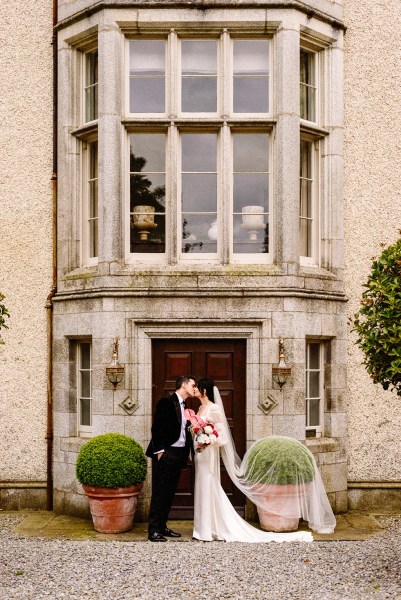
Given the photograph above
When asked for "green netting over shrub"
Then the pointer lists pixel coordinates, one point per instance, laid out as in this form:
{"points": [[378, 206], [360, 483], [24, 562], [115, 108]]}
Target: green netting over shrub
{"points": [[279, 460]]}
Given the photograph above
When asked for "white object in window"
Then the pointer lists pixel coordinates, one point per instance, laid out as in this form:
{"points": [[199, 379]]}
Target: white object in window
{"points": [[314, 376], [84, 388]]}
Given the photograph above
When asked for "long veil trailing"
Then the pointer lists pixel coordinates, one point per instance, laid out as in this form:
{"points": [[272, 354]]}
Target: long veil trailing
{"points": [[278, 474]]}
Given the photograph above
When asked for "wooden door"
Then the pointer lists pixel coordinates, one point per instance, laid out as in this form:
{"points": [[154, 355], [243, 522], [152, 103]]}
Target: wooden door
{"points": [[224, 361]]}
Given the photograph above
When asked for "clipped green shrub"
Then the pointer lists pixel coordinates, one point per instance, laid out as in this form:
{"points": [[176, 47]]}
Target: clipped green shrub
{"points": [[378, 321], [111, 460], [279, 460]]}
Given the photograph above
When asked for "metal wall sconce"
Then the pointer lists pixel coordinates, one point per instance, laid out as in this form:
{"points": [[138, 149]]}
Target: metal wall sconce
{"points": [[281, 372], [115, 371]]}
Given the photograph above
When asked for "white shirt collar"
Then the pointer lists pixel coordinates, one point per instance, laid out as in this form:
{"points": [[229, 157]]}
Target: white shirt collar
{"points": [[179, 398]]}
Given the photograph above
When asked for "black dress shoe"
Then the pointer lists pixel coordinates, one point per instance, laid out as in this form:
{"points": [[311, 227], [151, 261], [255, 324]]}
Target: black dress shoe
{"points": [[156, 537], [170, 533]]}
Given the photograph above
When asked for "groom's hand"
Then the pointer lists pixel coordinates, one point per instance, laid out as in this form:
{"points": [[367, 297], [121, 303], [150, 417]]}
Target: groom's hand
{"points": [[160, 454]]}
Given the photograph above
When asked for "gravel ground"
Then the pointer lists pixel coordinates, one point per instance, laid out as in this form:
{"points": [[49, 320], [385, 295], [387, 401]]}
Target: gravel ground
{"points": [[35, 568]]}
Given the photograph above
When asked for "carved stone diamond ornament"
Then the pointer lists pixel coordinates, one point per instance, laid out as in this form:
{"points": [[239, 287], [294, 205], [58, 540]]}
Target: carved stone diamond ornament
{"points": [[128, 405], [268, 404]]}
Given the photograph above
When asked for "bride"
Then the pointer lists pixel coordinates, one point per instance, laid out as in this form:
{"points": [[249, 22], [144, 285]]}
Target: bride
{"points": [[215, 517]]}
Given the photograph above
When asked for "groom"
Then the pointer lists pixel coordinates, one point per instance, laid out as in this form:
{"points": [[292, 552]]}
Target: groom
{"points": [[169, 448]]}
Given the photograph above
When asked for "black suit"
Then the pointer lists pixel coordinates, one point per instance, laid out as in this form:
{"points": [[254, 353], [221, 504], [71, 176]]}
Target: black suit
{"points": [[166, 430]]}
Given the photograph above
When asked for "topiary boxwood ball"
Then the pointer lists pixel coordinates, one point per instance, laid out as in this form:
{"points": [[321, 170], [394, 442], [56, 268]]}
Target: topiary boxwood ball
{"points": [[279, 460], [111, 460]]}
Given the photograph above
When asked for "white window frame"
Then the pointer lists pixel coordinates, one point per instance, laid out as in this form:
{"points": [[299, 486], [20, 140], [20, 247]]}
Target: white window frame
{"points": [[316, 70], [313, 260], [83, 430], [86, 259], [84, 85], [199, 122], [319, 429]]}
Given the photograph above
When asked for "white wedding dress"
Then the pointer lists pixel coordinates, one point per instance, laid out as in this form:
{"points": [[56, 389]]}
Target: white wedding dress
{"points": [[214, 516]]}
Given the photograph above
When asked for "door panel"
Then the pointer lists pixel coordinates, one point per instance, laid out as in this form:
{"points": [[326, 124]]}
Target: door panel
{"points": [[223, 361]]}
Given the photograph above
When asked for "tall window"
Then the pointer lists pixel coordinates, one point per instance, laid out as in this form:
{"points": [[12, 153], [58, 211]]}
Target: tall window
{"points": [[91, 86], [308, 92], [90, 201], [309, 205], [207, 196], [84, 388], [314, 377]]}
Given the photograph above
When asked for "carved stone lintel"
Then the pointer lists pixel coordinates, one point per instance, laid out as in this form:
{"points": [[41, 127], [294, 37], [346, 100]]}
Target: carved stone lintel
{"points": [[267, 405], [128, 405]]}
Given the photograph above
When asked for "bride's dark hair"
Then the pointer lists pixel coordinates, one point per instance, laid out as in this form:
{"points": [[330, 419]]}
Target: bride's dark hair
{"points": [[206, 385]]}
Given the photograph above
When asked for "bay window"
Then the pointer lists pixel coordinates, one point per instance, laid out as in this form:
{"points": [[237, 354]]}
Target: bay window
{"points": [[199, 183]]}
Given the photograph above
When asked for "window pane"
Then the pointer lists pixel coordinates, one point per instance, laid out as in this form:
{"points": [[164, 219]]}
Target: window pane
{"points": [[199, 192], [147, 193], [85, 384], [91, 86], [199, 233], [251, 152], [251, 233], [308, 85], [199, 152], [199, 76], [92, 211], [85, 356], [251, 76], [314, 356], [314, 413], [314, 384], [147, 76], [251, 193], [306, 198], [85, 412]]}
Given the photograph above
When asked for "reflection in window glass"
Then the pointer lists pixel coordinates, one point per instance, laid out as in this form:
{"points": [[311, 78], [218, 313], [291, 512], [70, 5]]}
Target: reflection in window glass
{"points": [[306, 198], [199, 192], [314, 385], [84, 385], [308, 85], [251, 76], [199, 76], [147, 76], [91, 86], [93, 200], [251, 193], [147, 192]]}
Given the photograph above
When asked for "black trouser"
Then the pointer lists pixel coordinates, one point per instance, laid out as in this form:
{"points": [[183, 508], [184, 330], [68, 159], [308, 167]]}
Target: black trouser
{"points": [[166, 473]]}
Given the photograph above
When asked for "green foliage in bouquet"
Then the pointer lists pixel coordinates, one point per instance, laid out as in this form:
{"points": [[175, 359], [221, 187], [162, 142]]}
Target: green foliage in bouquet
{"points": [[279, 460], [3, 314], [111, 460], [378, 321]]}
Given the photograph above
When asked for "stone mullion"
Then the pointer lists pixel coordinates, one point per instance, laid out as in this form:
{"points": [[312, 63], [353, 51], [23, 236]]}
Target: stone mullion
{"points": [[111, 160]]}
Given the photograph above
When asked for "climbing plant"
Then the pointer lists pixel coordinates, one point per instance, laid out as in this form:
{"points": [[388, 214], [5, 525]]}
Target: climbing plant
{"points": [[3, 314], [378, 321]]}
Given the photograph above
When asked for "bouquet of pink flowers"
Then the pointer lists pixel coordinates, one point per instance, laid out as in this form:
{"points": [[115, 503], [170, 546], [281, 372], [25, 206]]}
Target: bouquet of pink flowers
{"points": [[203, 430]]}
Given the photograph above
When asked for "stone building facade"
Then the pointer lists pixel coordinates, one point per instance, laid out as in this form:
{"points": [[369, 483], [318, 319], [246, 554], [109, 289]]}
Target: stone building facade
{"points": [[201, 221]]}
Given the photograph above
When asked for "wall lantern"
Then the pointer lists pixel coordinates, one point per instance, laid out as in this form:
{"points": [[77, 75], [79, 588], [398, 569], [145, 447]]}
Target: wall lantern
{"points": [[115, 371], [281, 372]]}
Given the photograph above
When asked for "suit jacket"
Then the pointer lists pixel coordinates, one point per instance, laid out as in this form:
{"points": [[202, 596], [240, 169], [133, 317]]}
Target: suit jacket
{"points": [[166, 426]]}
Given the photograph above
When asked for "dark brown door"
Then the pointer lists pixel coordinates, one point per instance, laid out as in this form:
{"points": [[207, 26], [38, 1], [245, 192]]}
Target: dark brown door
{"points": [[223, 361]]}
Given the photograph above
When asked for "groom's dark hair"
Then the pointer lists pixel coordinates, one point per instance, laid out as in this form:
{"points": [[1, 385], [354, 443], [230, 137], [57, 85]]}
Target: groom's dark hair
{"points": [[183, 379]]}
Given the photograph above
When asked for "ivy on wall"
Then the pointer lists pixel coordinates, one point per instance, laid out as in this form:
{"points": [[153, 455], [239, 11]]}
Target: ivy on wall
{"points": [[378, 321], [3, 314]]}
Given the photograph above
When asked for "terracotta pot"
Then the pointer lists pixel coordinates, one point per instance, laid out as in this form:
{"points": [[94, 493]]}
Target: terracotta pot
{"points": [[112, 509], [283, 499]]}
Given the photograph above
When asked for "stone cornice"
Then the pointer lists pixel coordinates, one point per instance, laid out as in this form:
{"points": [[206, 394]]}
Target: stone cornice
{"points": [[309, 9]]}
